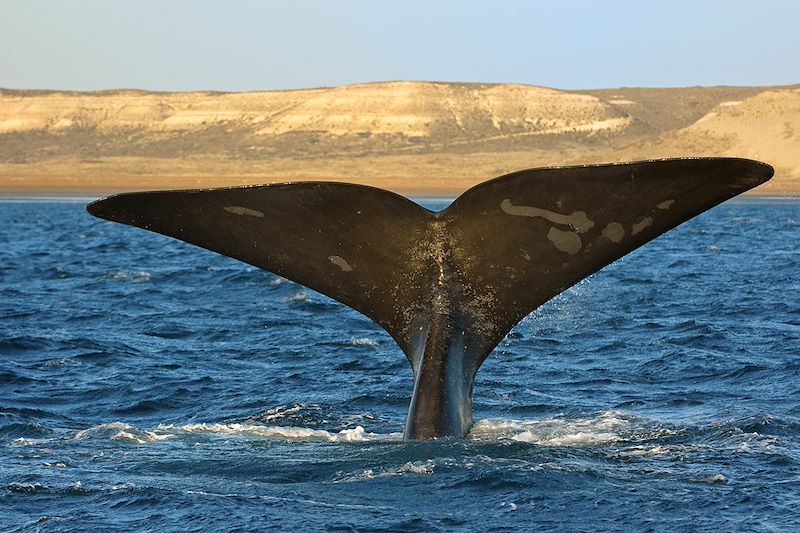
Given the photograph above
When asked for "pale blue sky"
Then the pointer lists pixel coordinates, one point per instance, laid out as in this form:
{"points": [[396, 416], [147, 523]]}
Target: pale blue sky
{"points": [[282, 44]]}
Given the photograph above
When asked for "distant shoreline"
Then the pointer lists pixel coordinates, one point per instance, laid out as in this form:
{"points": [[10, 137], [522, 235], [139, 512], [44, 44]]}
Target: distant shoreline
{"points": [[420, 139], [88, 193]]}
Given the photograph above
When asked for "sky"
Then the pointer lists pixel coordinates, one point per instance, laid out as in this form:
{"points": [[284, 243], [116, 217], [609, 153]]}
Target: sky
{"points": [[239, 45]]}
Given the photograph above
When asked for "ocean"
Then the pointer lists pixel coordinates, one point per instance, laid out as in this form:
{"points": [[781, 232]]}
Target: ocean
{"points": [[149, 385]]}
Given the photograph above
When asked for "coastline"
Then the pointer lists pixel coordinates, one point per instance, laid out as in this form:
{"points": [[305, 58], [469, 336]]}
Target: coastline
{"points": [[419, 188], [89, 194], [420, 139]]}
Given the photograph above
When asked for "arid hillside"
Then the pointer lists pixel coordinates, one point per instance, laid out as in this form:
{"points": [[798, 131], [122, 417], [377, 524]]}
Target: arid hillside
{"points": [[421, 137]]}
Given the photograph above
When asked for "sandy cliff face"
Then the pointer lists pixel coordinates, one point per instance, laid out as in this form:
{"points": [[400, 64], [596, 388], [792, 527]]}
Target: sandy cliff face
{"points": [[155, 112], [406, 135], [408, 109], [430, 110], [765, 126]]}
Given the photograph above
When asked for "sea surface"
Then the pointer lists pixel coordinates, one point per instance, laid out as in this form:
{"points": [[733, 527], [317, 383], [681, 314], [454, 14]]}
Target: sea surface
{"points": [[149, 385]]}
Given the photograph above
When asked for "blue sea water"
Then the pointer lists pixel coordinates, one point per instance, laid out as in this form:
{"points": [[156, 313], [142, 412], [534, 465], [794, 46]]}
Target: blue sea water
{"points": [[149, 385]]}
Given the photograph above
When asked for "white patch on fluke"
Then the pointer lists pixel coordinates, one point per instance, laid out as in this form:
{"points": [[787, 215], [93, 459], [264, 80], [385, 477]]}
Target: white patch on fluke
{"points": [[577, 220], [239, 210], [614, 231], [566, 241], [646, 222], [666, 204], [340, 262]]}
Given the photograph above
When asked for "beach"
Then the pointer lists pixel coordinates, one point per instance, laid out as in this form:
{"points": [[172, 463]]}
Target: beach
{"points": [[407, 175]]}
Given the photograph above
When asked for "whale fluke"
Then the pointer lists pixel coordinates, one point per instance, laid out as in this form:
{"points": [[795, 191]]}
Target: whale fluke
{"points": [[449, 285]]}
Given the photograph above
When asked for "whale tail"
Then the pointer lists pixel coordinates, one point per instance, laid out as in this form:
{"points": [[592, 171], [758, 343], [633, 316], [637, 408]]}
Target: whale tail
{"points": [[447, 286]]}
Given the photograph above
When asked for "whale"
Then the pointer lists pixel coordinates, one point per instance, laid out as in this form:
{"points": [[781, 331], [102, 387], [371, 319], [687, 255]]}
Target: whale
{"points": [[449, 285]]}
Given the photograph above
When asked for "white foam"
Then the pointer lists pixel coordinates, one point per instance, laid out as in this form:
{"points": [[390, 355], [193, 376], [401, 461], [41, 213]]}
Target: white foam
{"points": [[61, 362], [293, 501], [22, 441], [417, 468], [713, 479], [135, 277], [656, 451], [363, 341], [607, 428], [511, 505], [300, 296], [26, 487], [281, 411], [357, 434], [755, 443], [122, 432], [420, 468]]}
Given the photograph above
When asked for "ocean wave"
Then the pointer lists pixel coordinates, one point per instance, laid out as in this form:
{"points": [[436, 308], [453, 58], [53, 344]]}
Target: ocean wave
{"points": [[630, 435], [25, 430]]}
